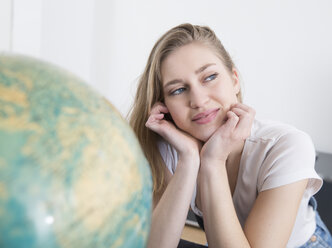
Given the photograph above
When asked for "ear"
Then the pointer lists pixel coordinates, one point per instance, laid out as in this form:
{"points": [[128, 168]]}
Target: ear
{"points": [[236, 81]]}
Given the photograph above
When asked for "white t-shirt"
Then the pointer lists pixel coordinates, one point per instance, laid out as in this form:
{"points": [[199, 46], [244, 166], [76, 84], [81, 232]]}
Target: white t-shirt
{"points": [[275, 154]]}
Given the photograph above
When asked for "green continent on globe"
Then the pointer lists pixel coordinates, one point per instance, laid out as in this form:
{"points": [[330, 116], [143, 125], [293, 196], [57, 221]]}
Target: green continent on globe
{"points": [[72, 173]]}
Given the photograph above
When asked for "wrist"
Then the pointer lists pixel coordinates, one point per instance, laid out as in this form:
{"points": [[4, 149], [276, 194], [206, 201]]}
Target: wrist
{"points": [[191, 155], [214, 158], [189, 160], [212, 167], [213, 161]]}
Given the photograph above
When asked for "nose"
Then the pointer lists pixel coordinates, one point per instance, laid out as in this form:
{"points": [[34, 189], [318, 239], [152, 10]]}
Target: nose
{"points": [[198, 97]]}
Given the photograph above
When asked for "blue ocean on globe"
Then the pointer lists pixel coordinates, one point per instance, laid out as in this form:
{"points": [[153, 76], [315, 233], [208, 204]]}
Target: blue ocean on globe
{"points": [[72, 173]]}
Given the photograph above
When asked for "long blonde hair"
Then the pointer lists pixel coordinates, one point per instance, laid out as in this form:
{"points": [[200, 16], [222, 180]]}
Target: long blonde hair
{"points": [[150, 88]]}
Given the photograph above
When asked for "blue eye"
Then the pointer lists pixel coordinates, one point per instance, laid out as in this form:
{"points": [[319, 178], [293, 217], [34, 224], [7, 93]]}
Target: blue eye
{"points": [[178, 91], [211, 77]]}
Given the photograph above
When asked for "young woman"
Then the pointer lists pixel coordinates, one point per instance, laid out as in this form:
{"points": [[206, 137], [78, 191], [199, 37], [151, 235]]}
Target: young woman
{"points": [[250, 182]]}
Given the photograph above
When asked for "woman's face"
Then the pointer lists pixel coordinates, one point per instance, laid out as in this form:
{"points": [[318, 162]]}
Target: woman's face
{"points": [[198, 89]]}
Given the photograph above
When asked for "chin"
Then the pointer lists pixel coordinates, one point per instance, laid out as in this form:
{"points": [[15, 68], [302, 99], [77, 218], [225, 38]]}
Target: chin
{"points": [[203, 136]]}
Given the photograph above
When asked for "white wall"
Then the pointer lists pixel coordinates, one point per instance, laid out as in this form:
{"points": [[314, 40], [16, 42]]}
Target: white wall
{"points": [[281, 47], [27, 27], [57, 31], [5, 24]]}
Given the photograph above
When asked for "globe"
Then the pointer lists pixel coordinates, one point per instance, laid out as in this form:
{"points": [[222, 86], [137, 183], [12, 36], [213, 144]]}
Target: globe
{"points": [[72, 173]]}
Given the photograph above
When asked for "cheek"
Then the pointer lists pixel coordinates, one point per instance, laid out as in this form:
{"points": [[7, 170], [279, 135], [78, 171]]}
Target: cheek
{"points": [[227, 96], [176, 112], [177, 118]]}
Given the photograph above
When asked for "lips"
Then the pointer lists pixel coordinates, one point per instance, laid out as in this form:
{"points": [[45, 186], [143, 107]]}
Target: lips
{"points": [[206, 116]]}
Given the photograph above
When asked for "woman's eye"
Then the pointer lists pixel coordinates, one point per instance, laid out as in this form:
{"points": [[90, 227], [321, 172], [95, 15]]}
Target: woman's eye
{"points": [[178, 91], [211, 77]]}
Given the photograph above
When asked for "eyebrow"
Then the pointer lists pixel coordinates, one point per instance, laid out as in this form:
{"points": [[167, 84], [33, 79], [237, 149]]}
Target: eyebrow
{"points": [[199, 70]]}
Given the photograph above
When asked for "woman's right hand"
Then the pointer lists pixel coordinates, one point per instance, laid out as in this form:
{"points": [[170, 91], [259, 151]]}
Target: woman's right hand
{"points": [[185, 144], [172, 202]]}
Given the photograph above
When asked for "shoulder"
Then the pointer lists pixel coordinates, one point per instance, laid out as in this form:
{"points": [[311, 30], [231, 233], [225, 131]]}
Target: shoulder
{"points": [[274, 131], [278, 140], [276, 136], [287, 154]]}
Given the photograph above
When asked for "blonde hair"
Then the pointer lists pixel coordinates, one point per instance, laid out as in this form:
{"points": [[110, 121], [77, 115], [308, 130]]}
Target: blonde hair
{"points": [[150, 88]]}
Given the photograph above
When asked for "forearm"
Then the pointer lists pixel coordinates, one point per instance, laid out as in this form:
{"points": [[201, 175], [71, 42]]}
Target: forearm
{"points": [[220, 220], [169, 215]]}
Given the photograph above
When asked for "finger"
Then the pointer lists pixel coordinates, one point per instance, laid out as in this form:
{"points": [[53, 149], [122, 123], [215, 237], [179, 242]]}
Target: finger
{"points": [[154, 118], [246, 119], [159, 108], [243, 111], [232, 120], [242, 106], [158, 117], [250, 113], [239, 112]]}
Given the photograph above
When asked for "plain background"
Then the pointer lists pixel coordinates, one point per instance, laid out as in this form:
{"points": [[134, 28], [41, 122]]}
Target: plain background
{"points": [[282, 48]]}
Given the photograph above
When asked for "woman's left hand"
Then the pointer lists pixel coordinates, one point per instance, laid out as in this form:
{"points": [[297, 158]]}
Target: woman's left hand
{"points": [[229, 135]]}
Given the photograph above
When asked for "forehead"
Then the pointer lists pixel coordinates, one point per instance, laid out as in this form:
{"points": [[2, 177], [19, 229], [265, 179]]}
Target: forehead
{"points": [[186, 60]]}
